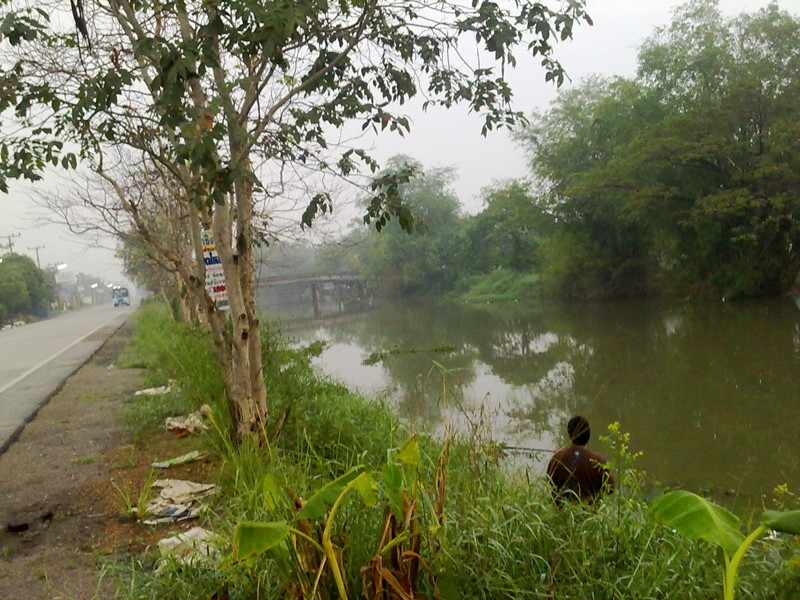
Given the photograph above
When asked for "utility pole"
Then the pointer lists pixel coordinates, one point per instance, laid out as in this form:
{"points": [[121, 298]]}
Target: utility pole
{"points": [[10, 236], [38, 264]]}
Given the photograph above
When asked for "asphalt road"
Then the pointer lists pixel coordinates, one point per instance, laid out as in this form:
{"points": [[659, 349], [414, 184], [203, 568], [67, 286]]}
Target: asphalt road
{"points": [[36, 359]]}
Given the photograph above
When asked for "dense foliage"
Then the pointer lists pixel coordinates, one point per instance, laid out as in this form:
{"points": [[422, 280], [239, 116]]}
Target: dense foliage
{"points": [[686, 177], [424, 260], [682, 180], [24, 289]]}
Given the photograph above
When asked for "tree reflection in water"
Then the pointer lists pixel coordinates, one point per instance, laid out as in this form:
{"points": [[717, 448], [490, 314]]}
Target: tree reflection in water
{"points": [[709, 393]]}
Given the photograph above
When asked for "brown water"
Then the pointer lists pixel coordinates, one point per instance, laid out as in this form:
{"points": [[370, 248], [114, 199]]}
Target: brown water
{"points": [[710, 394]]}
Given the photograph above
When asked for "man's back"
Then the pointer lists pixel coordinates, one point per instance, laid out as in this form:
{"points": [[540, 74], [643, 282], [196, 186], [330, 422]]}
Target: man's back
{"points": [[576, 470]]}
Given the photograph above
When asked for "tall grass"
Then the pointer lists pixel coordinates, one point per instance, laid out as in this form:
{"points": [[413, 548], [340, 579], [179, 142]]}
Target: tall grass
{"points": [[502, 537], [171, 350]]}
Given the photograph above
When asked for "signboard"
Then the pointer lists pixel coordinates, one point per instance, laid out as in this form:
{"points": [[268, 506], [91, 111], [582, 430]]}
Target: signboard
{"points": [[215, 276]]}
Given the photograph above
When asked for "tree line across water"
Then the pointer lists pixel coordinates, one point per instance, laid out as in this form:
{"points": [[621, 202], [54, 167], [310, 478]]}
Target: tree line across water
{"points": [[683, 180]]}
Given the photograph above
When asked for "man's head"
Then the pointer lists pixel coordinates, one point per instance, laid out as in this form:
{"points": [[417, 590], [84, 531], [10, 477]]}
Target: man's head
{"points": [[578, 430]]}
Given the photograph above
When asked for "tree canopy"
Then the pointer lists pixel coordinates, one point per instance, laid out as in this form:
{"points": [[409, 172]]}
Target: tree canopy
{"points": [[24, 289], [685, 178], [400, 263]]}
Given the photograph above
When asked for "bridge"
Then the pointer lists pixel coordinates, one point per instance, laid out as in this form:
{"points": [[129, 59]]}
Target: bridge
{"points": [[319, 283], [310, 278]]}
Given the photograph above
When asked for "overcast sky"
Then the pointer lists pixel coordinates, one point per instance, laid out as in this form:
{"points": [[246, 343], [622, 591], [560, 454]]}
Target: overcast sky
{"points": [[438, 139]]}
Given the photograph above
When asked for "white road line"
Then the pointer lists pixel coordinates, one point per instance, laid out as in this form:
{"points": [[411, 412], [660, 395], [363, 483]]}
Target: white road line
{"points": [[54, 356]]}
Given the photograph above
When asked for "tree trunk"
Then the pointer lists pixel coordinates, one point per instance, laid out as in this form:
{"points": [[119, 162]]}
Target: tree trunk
{"points": [[246, 394]]}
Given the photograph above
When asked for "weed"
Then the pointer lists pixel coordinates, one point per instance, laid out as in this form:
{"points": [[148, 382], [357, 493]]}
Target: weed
{"points": [[126, 462], [133, 504]]}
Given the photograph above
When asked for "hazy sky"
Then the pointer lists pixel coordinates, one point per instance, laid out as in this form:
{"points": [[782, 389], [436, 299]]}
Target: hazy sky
{"points": [[439, 138]]}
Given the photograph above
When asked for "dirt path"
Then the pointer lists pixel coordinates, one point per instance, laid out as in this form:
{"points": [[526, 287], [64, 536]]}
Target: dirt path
{"points": [[54, 483]]}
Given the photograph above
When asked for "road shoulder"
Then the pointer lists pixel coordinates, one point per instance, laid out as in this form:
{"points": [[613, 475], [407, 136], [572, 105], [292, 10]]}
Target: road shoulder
{"points": [[54, 481]]}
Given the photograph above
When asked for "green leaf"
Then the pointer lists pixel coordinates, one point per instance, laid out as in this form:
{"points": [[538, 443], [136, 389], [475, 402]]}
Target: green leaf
{"points": [[251, 538], [793, 566], [366, 487], [392, 477], [409, 453], [324, 498], [273, 494], [449, 586], [784, 522], [695, 517]]}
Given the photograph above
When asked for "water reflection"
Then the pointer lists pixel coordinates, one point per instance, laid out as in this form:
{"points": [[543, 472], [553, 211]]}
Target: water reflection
{"points": [[709, 393]]}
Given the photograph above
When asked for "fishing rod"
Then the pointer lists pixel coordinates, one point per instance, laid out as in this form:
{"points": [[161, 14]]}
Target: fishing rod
{"points": [[525, 449]]}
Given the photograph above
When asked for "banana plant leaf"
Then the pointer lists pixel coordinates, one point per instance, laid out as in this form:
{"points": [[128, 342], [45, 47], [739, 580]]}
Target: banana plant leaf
{"points": [[409, 453], [274, 496], [784, 522], [393, 485], [394, 477], [697, 518], [366, 487]]}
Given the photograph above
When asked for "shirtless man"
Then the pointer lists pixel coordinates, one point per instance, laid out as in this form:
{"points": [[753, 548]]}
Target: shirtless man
{"points": [[576, 472]]}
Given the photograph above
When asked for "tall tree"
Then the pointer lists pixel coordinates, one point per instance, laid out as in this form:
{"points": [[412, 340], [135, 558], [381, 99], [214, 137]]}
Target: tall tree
{"points": [[424, 261], [506, 232], [718, 159], [230, 97], [684, 178], [597, 247]]}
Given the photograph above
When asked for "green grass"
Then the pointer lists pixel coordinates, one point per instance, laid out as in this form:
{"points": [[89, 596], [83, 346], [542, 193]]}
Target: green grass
{"points": [[501, 285], [144, 414], [503, 536]]}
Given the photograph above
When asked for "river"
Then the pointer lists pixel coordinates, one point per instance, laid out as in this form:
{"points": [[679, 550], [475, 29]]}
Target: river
{"points": [[709, 394]]}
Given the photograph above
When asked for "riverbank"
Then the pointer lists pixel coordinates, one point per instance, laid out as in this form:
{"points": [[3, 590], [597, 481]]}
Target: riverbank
{"points": [[388, 506]]}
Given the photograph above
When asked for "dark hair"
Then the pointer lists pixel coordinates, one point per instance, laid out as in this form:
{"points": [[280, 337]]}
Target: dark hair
{"points": [[578, 430]]}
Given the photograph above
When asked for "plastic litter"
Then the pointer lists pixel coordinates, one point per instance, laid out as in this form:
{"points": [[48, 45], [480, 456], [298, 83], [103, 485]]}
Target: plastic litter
{"points": [[191, 547], [156, 391], [177, 501], [191, 423], [180, 490], [164, 512], [189, 457]]}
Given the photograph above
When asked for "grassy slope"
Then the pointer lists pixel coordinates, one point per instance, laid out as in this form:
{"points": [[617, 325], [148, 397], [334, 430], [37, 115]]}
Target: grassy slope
{"points": [[503, 537]]}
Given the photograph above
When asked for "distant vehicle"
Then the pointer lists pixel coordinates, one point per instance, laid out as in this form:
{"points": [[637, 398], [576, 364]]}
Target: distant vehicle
{"points": [[121, 296]]}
